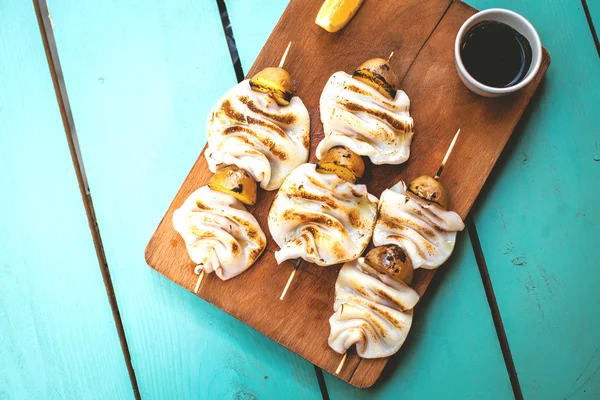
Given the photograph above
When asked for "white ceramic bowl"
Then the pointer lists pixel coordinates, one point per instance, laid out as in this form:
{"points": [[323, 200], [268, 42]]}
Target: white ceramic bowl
{"points": [[522, 26]]}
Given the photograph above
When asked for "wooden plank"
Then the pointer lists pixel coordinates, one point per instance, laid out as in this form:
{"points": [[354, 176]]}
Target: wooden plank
{"points": [[539, 223], [141, 81], [57, 334], [594, 8], [252, 23], [434, 111]]}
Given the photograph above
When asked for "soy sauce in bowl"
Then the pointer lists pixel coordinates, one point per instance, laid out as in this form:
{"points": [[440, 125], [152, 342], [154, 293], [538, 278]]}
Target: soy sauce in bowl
{"points": [[495, 54]]}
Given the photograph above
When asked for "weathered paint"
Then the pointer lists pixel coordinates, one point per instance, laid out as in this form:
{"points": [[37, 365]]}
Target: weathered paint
{"points": [[58, 339], [141, 79], [539, 223]]}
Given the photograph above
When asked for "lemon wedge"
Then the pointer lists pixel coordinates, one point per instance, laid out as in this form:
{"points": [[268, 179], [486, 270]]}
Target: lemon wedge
{"points": [[335, 14]]}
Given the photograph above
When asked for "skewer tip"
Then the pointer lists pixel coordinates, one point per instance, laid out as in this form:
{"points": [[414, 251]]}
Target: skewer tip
{"points": [[390, 57], [285, 55], [443, 164], [199, 281], [341, 364]]}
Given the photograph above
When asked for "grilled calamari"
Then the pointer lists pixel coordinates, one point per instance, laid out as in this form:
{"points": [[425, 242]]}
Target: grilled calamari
{"points": [[220, 235], [420, 226], [372, 310], [321, 218], [358, 116], [248, 128]]}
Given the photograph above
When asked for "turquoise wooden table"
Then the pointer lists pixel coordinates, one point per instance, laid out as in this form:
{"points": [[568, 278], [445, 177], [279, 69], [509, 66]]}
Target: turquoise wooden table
{"points": [[102, 110]]}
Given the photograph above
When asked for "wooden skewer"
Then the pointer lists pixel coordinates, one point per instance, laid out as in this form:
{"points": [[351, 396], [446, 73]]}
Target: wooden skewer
{"points": [[341, 364], [391, 55], [199, 281], [290, 279], [285, 55], [441, 169]]}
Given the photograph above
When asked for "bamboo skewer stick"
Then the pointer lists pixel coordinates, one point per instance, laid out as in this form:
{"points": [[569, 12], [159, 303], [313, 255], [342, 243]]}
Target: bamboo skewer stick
{"points": [[285, 55], [341, 364], [199, 281], [443, 164], [390, 57], [290, 279]]}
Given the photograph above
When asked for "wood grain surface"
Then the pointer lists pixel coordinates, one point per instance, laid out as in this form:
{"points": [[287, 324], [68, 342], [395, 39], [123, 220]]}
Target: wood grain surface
{"points": [[58, 339], [440, 105]]}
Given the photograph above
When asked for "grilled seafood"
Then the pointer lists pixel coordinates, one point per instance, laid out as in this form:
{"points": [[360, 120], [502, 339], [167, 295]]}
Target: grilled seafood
{"points": [[249, 129], [321, 218], [358, 116], [220, 235], [372, 310], [423, 228]]}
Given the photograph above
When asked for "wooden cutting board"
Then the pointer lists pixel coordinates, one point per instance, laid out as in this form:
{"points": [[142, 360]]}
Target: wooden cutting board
{"points": [[421, 33]]}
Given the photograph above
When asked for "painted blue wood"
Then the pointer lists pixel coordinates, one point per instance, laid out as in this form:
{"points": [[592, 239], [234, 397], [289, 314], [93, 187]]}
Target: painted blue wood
{"points": [[452, 351], [453, 347], [141, 80], [539, 223], [57, 334], [594, 7], [251, 36]]}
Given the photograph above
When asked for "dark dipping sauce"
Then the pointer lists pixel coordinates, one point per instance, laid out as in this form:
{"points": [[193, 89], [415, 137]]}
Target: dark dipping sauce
{"points": [[495, 54]]}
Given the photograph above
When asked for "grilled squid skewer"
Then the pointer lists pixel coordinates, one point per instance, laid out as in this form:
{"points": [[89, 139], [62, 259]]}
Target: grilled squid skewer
{"points": [[220, 234], [415, 218], [413, 230], [260, 126], [321, 214], [373, 306], [367, 113]]}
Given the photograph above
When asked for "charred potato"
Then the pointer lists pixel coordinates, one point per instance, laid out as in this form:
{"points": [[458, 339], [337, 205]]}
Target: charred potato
{"points": [[429, 189], [346, 164], [277, 82], [236, 182], [392, 261], [378, 74]]}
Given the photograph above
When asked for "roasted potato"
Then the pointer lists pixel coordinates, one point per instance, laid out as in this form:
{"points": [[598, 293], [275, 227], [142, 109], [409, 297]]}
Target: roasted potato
{"points": [[378, 74], [429, 189], [236, 182], [342, 162], [392, 261], [277, 82]]}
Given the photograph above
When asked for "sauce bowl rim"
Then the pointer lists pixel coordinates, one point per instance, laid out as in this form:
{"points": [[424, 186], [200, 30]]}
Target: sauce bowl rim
{"points": [[536, 47]]}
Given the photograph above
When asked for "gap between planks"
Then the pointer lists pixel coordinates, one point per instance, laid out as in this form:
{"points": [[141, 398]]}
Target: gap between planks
{"points": [[240, 75], [495, 310], [47, 34], [232, 47], [590, 21], [401, 81]]}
